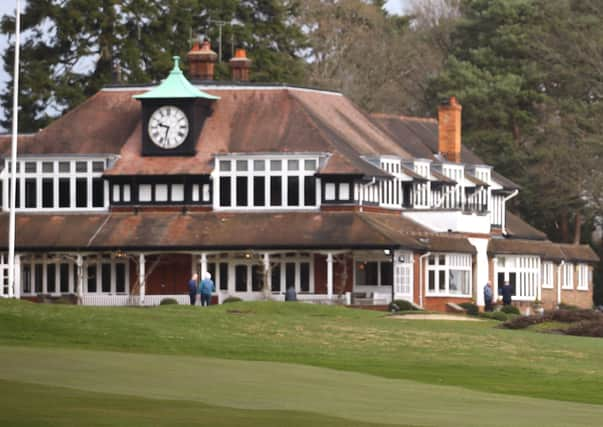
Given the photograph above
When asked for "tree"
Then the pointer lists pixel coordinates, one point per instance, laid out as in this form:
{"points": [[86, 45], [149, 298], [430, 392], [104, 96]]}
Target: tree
{"points": [[72, 48]]}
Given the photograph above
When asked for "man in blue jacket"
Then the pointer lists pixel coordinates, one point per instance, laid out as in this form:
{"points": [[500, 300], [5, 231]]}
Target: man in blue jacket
{"points": [[192, 288], [206, 288]]}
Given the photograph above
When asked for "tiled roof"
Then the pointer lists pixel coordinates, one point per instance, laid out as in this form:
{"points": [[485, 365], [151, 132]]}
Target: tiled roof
{"points": [[519, 229], [543, 248], [212, 231]]}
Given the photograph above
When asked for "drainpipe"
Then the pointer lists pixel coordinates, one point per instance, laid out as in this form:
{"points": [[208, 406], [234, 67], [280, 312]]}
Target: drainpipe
{"points": [[421, 277], [561, 264], [505, 200]]}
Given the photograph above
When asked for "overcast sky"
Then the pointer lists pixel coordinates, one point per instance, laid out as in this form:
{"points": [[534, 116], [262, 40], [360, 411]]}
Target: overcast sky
{"points": [[8, 7]]}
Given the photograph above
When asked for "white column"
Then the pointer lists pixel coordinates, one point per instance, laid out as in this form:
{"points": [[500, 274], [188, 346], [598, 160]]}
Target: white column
{"points": [[481, 268], [267, 275], [141, 277], [79, 263], [329, 275], [17, 276], [203, 262]]}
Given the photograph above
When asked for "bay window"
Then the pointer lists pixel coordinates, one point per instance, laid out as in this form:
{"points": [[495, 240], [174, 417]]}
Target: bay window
{"points": [[449, 275]]}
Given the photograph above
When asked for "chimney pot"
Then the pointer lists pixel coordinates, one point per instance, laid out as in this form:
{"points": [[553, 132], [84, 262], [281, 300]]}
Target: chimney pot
{"points": [[239, 65], [201, 60], [449, 129]]}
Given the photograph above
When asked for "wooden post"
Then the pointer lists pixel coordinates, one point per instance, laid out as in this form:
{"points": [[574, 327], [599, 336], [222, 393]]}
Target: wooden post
{"points": [[79, 262], [330, 275]]}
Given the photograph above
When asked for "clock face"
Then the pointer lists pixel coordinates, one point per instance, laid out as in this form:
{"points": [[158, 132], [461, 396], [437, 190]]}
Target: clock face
{"points": [[168, 127]]}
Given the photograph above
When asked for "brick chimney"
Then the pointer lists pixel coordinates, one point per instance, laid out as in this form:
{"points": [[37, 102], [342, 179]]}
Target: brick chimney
{"points": [[239, 66], [201, 60], [449, 129]]}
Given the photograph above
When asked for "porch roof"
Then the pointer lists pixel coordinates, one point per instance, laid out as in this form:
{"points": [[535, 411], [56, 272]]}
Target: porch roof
{"points": [[543, 248], [224, 231]]}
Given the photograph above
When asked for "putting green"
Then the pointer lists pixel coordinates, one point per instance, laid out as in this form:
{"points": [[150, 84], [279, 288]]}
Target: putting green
{"points": [[288, 387]]}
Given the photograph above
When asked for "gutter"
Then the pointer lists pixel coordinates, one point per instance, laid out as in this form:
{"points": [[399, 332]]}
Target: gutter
{"points": [[505, 200], [561, 264]]}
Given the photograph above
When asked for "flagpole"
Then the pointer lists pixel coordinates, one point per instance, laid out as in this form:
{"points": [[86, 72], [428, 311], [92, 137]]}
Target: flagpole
{"points": [[13, 287]]}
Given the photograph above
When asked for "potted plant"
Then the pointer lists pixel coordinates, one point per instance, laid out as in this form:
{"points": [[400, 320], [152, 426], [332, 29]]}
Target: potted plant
{"points": [[537, 306]]}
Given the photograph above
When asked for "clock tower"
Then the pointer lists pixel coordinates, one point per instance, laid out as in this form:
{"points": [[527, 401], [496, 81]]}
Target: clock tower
{"points": [[172, 115]]}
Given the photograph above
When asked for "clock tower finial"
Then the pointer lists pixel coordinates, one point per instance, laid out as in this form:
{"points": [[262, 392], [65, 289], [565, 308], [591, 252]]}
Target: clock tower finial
{"points": [[176, 59]]}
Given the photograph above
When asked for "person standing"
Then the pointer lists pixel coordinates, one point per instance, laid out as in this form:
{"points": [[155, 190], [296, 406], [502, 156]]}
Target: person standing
{"points": [[488, 295], [206, 288], [507, 293], [192, 288]]}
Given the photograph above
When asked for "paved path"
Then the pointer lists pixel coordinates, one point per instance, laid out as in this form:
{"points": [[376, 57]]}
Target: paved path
{"points": [[459, 317]]}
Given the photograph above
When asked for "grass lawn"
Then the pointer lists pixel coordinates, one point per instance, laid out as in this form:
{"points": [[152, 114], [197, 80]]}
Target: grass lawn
{"points": [[157, 353]]}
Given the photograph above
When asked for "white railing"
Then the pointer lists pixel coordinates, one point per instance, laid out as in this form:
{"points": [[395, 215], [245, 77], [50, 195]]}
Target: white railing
{"points": [[122, 300]]}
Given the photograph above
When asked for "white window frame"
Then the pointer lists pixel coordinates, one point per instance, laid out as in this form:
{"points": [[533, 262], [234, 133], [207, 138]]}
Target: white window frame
{"points": [[583, 277], [366, 258], [547, 275], [527, 269], [300, 169], [453, 262], [567, 276], [55, 175]]}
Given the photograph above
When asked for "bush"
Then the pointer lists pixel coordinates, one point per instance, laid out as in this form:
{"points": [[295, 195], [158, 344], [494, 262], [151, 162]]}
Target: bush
{"points": [[569, 307], [402, 305], [510, 309], [591, 328], [523, 322], [470, 308], [231, 299], [168, 301], [496, 315], [576, 315]]}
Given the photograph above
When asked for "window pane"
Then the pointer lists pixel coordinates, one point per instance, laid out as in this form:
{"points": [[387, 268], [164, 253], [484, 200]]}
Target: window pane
{"points": [[242, 165], [91, 278], [276, 278], [329, 191], [275, 165], [145, 192], [30, 192], [98, 193], [293, 165], [177, 192], [195, 193], [309, 191], [116, 197], [259, 165], [223, 276], [387, 274], [64, 274], [241, 278], [293, 191], [224, 191], [225, 165], [120, 277], [344, 191], [360, 274], [47, 167], [289, 275], [106, 277], [275, 191], [48, 193], [81, 192], [442, 280], [39, 270], [81, 166], [31, 167], [64, 167], [310, 165], [304, 277], [431, 280], [126, 190], [371, 268], [161, 193], [51, 284], [26, 278], [257, 278], [259, 198], [241, 191], [98, 166]]}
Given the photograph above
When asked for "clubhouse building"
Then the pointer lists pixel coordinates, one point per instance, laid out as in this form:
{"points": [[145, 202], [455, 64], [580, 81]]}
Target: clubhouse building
{"points": [[267, 187]]}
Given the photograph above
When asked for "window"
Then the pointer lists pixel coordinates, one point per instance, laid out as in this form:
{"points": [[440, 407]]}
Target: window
{"points": [[223, 276], [257, 278], [583, 277], [177, 192], [224, 165], [374, 273], [275, 191], [48, 167], [91, 273], [242, 165], [106, 277], [344, 191], [64, 192], [259, 183], [126, 189], [547, 275], [98, 193], [206, 193], [64, 277], [241, 190], [522, 272], [161, 193], [81, 192], [276, 278], [224, 191], [330, 191], [293, 165], [304, 277], [30, 192], [293, 191], [309, 190], [449, 275], [120, 278], [568, 276], [51, 278], [116, 197], [241, 278]]}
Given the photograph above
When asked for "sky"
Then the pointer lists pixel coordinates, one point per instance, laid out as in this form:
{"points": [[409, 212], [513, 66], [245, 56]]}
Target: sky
{"points": [[8, 7]]}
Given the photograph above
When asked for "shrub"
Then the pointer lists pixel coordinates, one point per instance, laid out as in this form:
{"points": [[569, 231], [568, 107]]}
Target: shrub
{"points": [[576, 315], [496, 315], [510, 309], [470, 308], [564, 306], [591, 328], [168, 301], [402, 305], [231, 299], [523, 322]]}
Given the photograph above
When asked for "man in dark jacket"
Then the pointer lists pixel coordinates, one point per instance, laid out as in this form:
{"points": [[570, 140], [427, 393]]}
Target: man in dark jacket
{"points": [[488, 295], [507, 293], [192, 288]]}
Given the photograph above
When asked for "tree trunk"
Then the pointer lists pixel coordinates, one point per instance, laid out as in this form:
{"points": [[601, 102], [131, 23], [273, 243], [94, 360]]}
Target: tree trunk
{"points": [[564, 227], [577, 228]]}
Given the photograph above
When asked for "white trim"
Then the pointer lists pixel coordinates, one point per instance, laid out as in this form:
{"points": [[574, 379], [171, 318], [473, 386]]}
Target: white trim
{"points": [[225, 87], [583, 276]]}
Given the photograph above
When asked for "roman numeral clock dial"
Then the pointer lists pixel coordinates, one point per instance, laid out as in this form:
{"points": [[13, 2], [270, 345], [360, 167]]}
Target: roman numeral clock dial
{"points": [[168, 127]]}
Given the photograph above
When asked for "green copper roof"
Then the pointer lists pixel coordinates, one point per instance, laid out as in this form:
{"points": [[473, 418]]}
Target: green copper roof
{"points": [[175, 86]]}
